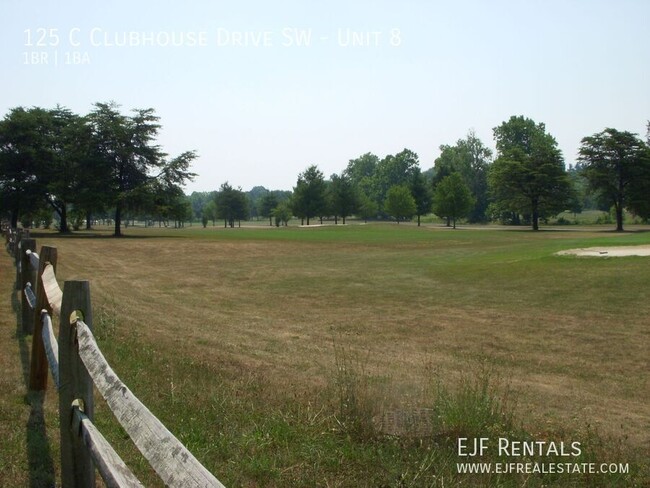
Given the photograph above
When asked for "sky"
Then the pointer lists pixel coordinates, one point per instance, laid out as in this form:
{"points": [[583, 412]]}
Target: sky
{"points": [[261, 90]]}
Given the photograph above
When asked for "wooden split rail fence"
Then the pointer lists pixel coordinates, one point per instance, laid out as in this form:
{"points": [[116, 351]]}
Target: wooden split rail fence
{"points": [[76, 363]]}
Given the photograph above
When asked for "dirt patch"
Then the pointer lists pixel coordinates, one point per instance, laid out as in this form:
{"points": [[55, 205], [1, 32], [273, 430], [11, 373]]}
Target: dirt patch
{"points": [[605, 252]]}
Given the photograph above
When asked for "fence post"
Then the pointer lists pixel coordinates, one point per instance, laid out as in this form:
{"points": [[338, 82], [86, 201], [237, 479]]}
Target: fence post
{"points": [[16, 250], [38, 367], [77, 468], [26, 276]]}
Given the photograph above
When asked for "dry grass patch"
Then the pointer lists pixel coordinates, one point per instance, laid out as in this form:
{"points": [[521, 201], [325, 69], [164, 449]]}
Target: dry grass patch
{"points": [[274, 305], [264, 310]]}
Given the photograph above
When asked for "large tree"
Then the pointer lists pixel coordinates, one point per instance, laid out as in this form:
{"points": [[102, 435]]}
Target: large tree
{"points": [[25, 152], [361, 172], [452, 198], [126, 146], [309, 194], [617, 167], [343, 197], [528, 175], [72, 178]]}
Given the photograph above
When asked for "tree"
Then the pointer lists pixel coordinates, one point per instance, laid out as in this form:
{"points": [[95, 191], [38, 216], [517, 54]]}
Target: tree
{"points": [[59, 168], [576, 205], [126, 146], [361, 172], [639, 199], [400, 203], [24, 153], [232, 204], [209, 210], [362, 167], [175, 172], [471, 158], [452, 198], [393, 171], [528, 175], [617, 166], [282, 213], [267, 204], [343, 197], [419, 189], [309, 194], [254, 196], [198, 201], [368, 208]]}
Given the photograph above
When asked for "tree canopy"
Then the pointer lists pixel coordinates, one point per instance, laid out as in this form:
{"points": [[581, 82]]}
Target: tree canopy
{"points": [[309, 194], [393, 170], [452, 198], [421, 193], [528, 175], [231, 204], [471, 159], [400, 203], [617, 167], [344, 200], [87, 163], [58, 164]]}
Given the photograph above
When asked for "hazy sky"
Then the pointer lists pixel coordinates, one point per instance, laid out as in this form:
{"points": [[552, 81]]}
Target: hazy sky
{"points": [[261, 89]]}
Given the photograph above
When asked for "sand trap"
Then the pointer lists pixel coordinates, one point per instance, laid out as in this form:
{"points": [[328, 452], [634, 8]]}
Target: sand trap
{"points": [[606, 252]]}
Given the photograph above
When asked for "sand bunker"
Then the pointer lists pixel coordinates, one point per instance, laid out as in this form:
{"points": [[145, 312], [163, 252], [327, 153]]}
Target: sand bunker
{"points": [[608, 252]]}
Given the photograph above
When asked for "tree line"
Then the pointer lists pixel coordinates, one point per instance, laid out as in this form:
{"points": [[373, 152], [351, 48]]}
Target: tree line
{"points": [[525, 183], [84, 166], [57, 161]]}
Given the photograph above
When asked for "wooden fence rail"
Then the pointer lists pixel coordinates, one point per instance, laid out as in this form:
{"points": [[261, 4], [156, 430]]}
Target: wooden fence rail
{"points": [[76, 364]]}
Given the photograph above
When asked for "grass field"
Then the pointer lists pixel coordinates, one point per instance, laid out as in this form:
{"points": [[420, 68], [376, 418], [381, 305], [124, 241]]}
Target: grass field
{"points": [[269, 351]]}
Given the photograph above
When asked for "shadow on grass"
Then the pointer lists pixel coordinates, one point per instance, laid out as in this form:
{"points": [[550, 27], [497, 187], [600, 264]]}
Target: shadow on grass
{"points": [[99, 235], [39, 455]]}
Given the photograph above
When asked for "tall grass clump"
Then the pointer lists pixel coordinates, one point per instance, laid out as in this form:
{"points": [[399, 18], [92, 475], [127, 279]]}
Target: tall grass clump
{"points": [[105, 320], [480, 404], [355, 407]]}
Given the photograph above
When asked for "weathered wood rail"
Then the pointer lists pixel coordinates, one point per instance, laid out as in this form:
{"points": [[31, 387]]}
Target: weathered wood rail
{"points": [[76, 364]]}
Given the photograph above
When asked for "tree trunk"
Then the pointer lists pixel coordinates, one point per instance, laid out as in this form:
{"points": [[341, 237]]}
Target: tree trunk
{"points": [[619, 217], [418, 220], [63, 215], [535, 215], [89, 219], [448, 222], [118, 221]]}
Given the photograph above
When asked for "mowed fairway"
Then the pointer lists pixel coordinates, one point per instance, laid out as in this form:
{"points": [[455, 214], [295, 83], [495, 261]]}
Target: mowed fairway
{"points": [[414, 305]]}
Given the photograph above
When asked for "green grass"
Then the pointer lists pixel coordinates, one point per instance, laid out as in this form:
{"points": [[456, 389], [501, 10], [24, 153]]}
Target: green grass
{"points": [[272, 353]]}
